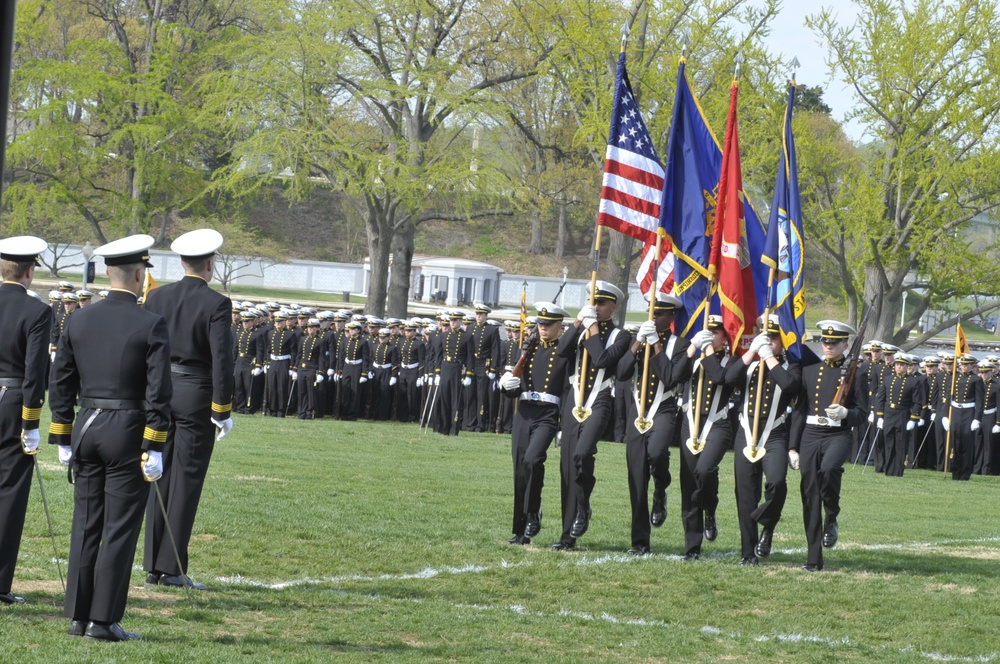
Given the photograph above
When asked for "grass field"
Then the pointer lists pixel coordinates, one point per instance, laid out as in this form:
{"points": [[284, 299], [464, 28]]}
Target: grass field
{"points": [[369, 542]]}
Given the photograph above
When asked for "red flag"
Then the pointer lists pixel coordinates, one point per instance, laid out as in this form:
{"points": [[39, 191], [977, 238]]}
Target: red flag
{"points": [[729, 261]]}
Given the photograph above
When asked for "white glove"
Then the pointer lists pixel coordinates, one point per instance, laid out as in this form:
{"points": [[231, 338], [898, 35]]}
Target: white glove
{"points": [[364, 378], [371, 375], [587, 312], [911, 425], [879, 423], [835, 412], [758, 342], [392, 381], [995, 429], [793, 459], [420, 381], [467, 381], [437, 380], [224, 427], [256, 371], [945, 423], [920, 422], [509, 382], [975, 425], [647, 329], [52, 355], [336, 377], [492, 375], [320, 378], [65, 454], [266, 367], [30, 440], [294, 375], [331, 373], [933, 416], [765, 352], [871, 417], [702, 340], [152, 465], [508, 368]]}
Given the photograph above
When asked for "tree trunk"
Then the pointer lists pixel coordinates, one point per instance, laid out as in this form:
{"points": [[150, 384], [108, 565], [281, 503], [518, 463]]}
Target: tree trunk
{"points": [[399, 277], [618, 267], [884, 302], [379, 247], [535, 247], [561, 237]]}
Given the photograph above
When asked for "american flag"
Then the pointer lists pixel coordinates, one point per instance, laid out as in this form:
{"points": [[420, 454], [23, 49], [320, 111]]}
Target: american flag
{"points": [[633, 173], [665, 273]]}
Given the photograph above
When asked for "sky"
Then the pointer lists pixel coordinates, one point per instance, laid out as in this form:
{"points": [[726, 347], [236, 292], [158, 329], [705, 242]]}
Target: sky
{"points": [[790, 37]]}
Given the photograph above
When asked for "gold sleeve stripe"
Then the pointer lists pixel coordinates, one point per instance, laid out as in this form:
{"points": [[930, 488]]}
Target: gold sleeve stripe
{"points": [[154, 435], [30, 414], [216, 408], [60, 429]]}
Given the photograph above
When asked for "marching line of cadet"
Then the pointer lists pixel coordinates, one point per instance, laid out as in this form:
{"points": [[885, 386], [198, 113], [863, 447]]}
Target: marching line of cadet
{"points": [[573, 382]]}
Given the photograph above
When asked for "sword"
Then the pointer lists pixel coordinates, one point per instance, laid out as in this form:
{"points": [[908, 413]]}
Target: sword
{"points": [[916, 456], [870, 450], [861, 447], [430, 412], [48, 519], [170, 534]]}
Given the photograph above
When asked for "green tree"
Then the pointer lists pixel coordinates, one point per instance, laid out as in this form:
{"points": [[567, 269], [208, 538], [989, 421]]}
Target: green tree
{"points": [[925, 76]]}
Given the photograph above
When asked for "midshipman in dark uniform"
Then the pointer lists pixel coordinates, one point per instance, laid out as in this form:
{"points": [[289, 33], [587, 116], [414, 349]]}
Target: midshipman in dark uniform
{"points": [[25, 324], [539, 391], [116, 357], [201, 367]]}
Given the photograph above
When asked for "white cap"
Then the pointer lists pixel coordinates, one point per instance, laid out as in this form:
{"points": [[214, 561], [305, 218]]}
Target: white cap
{"points": [[127, 250], [202, 242], [22, 248]]}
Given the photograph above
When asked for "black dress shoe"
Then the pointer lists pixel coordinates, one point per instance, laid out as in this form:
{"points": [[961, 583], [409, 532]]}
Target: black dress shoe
{"points": [[77, 627], [749, 561], [763, 548], [711, 530], [690, 557], [112, 632], [638, 551], [658, 516], [830, 534], [181, 581], [580, 524], [152, 579], [11, 598], [519, 540], [563, 546], [534, 525], [812, 568]]}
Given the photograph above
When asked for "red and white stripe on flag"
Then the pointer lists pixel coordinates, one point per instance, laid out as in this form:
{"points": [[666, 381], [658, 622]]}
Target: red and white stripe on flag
{"points": [[630, 194], [665, 273]]}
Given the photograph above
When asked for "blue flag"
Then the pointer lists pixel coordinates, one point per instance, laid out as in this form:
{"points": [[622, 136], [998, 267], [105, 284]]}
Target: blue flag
{"points": [[687, 210], [783, 250]]}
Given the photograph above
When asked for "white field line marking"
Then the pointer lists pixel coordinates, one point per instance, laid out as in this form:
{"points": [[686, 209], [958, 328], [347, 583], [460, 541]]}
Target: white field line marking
{"points": [[709, 630], [603, 559]]}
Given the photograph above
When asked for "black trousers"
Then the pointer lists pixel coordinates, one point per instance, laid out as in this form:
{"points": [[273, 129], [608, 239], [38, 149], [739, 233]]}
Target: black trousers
{"points": [[279, 388], [535, 425], [382, 394], [408, 396], [962, 444], [350, 392], [447, 414], [16, 468], [821, 461], [186, 456], [108, 500], [648, 455], [772, 472], [310, 395], [700, 479], [576, 456]]}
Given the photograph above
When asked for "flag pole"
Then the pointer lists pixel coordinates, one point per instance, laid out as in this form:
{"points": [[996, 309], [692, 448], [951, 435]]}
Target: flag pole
{"points": [[752, 452], [693, 443], [641, 422], [948, 452]]}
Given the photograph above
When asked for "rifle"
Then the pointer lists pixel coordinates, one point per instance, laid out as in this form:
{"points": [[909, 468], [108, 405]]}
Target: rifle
{"points": [[848, 374]]}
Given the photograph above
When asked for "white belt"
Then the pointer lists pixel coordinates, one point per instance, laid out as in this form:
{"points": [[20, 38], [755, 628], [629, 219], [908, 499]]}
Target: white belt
{"points": [[383, 366], [965, 404], [411, 366], [279, 358], [821, 421], [540, 396], [990, 411], [353, 361]]}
